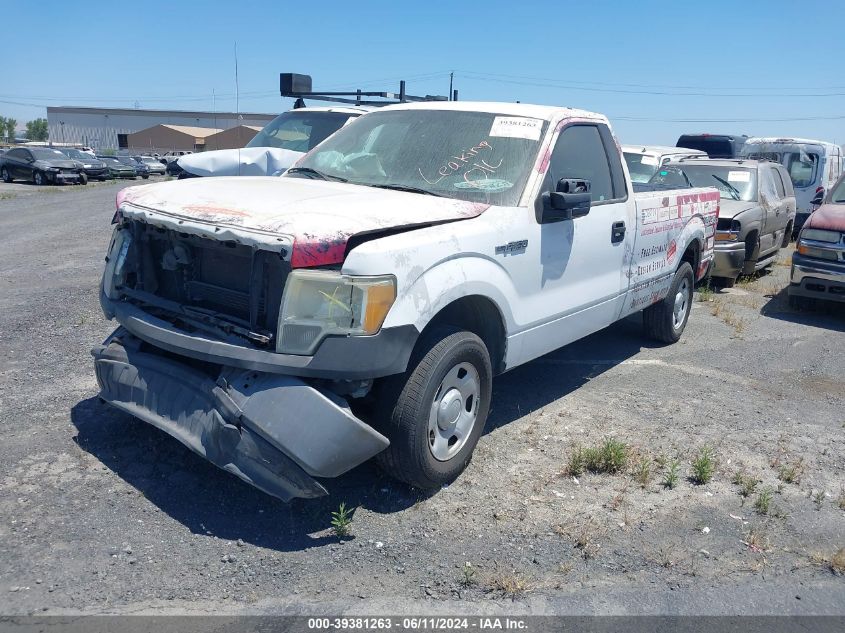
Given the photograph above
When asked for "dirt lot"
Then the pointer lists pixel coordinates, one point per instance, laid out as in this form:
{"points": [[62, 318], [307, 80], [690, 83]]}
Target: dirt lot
{"points": [[100, 512]]}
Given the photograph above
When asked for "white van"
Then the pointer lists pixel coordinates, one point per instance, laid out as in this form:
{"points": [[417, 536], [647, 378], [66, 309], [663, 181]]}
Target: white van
{"points": [[644, 160], [813, 167]]}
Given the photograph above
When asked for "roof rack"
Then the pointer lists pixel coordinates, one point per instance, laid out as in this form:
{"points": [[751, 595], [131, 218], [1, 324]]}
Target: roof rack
{"points": [[299, 87]]}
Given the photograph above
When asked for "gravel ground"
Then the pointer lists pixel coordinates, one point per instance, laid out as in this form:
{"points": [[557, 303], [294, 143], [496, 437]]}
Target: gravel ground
{"points": [[102, 513]]}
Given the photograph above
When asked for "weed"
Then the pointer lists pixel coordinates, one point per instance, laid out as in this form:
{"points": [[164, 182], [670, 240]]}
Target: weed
{"points": [[703, 466], [467, 575], [790, 473], [511, 584], [841, 501], [747, 484], [8, 196], [837, 562], [610, 457], [670, 479], [716, 308], [576, 463], [341, 521], [756, 540], [584, 537], [818, 497], [763, 502], [705, 293], [642, 471]]}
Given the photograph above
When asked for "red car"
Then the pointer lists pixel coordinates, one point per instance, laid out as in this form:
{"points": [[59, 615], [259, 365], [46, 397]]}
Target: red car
{"points": [[818, 265]]}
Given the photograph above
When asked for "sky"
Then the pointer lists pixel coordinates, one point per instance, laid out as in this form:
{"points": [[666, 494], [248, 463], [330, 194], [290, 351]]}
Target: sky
{"points": [[656, 69]]}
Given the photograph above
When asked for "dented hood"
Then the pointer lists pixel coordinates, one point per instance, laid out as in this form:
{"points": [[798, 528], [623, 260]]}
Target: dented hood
{"points": [[247, 161], [318, 216], [732, 208]]}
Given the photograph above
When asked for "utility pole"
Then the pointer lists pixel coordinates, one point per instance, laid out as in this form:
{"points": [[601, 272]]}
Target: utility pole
{"points": [[451, 78]]}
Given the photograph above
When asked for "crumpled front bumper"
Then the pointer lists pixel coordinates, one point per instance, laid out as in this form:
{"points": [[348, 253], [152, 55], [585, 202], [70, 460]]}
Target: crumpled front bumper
{"points": [[275, 432], [729, 259]]}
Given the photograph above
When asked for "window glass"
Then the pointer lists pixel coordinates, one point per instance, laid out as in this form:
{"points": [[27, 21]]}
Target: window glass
{"points": [[299, 131], [802, 167], [20, 154], [779, 186], [641, 166], [767, 184], [579, 153]]}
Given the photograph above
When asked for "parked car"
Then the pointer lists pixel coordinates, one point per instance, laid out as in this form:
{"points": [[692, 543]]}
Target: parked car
{"points": [[716, 145], [152, 163], [41, 165], [174, 169], [361, 304], [93, 167], [169, 157], [644, 160], [279, 145], [118, 169], [818, 264], [140, 168], [756, 212], [813, 166]]}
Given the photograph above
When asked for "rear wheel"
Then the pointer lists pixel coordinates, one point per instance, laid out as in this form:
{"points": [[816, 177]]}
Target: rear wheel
{"points": [[666, 319], [5, 175], [435, 412]]}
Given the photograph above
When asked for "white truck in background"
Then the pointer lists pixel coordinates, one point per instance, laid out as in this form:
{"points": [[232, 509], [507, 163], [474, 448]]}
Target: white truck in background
{"points": [[288, 329]]}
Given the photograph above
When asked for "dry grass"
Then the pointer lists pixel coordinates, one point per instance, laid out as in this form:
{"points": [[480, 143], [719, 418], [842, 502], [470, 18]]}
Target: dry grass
{"points": [[584, 537], [837, 562], [512, 583], [756, 540]]}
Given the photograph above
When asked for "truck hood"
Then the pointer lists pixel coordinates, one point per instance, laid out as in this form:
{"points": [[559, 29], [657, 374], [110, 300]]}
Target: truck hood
{"points": [[247, 161], [318, 216], [732, 208], [828, 216]]}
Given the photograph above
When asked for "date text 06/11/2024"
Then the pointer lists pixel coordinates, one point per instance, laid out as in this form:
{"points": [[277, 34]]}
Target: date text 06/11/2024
{"points": [[416, 623]]}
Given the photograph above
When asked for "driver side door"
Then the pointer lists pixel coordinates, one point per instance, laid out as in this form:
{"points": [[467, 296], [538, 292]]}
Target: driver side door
{"points": [[577, 277]]}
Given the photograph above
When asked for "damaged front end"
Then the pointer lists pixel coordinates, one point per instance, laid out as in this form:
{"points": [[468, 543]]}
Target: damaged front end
{"points": [[196, 357]]}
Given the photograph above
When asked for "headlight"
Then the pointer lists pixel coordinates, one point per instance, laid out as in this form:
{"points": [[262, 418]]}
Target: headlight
{"points": [[821, 235], [727, 230], [52, 169], [318, 303], [115, 261]]}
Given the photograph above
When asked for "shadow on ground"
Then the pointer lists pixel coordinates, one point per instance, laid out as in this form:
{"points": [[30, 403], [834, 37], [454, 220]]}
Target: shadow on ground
{"points": [[210, 501], [822, 314]]}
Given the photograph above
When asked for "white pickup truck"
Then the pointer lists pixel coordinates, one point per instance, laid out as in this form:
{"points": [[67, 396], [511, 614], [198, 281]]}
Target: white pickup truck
{"points": [[288, 329]]}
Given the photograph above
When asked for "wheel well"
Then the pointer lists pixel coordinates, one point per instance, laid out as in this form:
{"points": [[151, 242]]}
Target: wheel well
{"points": [[479, 315], [693, 256], [751, 244]]}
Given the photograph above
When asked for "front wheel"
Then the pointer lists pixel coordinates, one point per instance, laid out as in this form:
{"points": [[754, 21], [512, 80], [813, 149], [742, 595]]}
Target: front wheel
{"points": [[666, 319], [435, 412], [39, 178]]}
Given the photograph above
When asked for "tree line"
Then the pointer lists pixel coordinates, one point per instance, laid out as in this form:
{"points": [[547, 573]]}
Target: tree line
{"points": [[35, 130]]}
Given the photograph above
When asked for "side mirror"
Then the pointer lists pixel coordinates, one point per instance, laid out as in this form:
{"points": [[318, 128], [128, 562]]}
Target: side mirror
{"points": [[570, 200], [818, 198]]}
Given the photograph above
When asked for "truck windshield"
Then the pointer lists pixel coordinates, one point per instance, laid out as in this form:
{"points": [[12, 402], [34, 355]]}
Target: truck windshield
{"points": [[476, 156], [299, 131], [641, 166], [733, 183]]}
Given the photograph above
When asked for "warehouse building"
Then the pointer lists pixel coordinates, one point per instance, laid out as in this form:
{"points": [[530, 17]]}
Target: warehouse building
{"points": [[233, 138], [170, 137], [109, 128]]}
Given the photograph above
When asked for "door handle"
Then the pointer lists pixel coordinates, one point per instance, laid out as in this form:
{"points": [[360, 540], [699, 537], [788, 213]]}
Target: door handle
{"points": [[617, 232]]}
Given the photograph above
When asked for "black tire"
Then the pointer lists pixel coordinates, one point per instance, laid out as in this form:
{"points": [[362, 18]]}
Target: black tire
{"points": [[145, 176], [5, 175], [659, 319], [726, 282], [83, 179], [38, 178], [406, 401], [787, 236], [752, 254], [102, 179]]}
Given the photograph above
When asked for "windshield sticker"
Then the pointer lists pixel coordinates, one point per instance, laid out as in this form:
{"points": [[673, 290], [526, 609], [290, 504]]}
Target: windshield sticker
{"points": [[739, 176], [516, 127], [464, 159], [649, 160], [490, 185]]}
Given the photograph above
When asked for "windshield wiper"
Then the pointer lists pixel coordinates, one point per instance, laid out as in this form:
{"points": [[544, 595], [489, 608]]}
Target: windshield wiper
{"points": [[732, 190], [314, 173], [409, 188]]}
